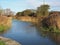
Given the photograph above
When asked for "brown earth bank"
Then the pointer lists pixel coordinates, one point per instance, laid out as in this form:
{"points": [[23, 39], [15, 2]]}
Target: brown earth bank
{"points": [[5, 20], [9, 41], [33, 20], [53, 20], [28, 19]]}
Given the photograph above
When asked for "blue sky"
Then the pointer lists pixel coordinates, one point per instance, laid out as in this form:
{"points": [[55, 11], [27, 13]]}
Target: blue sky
{"points": [[20, 5]]}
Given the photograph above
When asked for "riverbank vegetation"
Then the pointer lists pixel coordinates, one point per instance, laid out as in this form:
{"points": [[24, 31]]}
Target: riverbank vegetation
{"points": [[2, 42], [5, 19], [42, 17], [3, 28]]}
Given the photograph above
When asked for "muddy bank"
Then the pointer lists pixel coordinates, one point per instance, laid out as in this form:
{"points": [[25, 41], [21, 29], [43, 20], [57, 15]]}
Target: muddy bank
{"points": [[9, 41]]}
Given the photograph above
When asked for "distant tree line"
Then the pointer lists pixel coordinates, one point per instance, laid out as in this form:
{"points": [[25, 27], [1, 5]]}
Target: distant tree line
{"points": [[6, 12], [41, 11], [27, 12]]}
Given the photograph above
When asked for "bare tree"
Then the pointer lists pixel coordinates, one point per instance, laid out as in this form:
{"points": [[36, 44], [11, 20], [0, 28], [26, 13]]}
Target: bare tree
{"points": [[1, 10], [8, 12]]}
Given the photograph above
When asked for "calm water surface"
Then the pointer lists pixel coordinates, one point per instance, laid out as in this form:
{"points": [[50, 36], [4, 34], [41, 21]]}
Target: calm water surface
{"points": [[26, 34]]}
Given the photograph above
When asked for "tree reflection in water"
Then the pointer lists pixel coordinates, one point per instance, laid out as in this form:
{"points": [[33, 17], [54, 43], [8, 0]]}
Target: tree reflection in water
{"points": [[3, 32], [55, 37]]}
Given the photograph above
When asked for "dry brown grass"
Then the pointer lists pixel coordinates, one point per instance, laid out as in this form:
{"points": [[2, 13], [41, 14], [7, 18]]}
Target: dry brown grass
{"points": [[6, 21]]}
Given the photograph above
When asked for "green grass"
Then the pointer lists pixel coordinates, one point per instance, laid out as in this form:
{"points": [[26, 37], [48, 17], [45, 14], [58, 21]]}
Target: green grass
{"points": [[51, 29], [2, 43], [3, 28]]}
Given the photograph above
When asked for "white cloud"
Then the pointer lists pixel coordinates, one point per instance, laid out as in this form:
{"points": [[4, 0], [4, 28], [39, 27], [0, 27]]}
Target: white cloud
{"points": [[36, 3], [20, 5], [53, 3]]}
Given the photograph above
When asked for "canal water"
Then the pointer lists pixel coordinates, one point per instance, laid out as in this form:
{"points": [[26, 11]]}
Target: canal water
{"points": [[26, 34]]}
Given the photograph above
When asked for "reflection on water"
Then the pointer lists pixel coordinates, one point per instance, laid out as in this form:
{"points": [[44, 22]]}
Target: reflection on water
{"points": [[26, 34], [55, 37], [3, 32]]}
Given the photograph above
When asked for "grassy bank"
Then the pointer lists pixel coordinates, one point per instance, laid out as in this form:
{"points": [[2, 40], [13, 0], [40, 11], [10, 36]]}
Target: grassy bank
{"points": [[50, 29], [5, 22], [3, 28], [2, 42], [37, 21], [28, 19]]}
